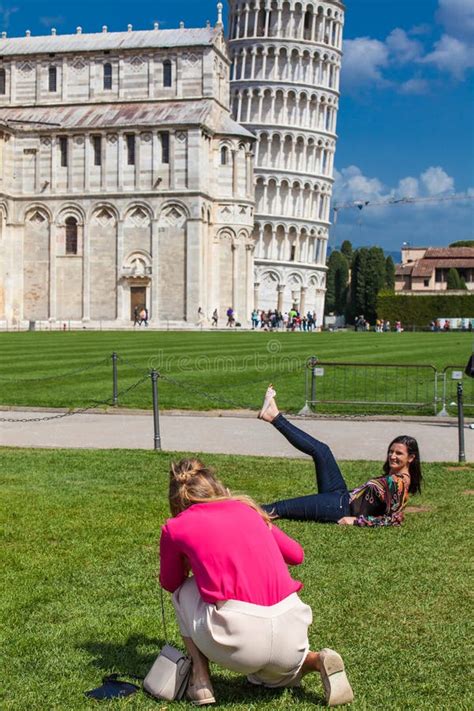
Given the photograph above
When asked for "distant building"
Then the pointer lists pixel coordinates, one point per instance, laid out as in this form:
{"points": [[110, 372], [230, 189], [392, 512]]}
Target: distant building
{"points": [[425, 269]]}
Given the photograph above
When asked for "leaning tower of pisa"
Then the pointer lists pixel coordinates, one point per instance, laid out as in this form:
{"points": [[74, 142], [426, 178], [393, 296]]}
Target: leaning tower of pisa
{"points": [[286, 59]]}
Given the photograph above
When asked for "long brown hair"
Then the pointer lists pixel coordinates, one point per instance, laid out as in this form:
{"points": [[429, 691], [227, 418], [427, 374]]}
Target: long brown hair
{"points": [[414, 467], [191, 482]]}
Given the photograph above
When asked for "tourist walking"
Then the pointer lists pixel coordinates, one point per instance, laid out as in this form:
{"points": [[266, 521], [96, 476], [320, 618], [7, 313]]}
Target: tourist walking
{"points": [[230, 316], [215, 318], [378, 502], [240, 609]]}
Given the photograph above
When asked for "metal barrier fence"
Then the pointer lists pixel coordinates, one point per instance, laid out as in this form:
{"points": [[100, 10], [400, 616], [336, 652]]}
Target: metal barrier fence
{"points": [[451, 376], [417, 387]]}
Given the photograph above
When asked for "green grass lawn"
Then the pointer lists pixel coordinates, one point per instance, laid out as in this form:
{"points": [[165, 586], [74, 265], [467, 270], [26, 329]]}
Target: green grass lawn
{"points": [[80, 600], [222, 370]]}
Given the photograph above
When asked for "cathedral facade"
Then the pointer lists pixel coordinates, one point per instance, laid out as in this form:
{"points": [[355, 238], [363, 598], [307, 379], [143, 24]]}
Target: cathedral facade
{"points": [[126, 183]]}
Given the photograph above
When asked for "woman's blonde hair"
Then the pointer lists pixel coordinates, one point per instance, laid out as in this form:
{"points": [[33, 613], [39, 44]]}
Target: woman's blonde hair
{"points": [[191, 482]]}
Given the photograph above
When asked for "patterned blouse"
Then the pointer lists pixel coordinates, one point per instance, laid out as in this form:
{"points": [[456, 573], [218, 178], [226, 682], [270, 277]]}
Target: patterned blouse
{"points": [[380, 502]]}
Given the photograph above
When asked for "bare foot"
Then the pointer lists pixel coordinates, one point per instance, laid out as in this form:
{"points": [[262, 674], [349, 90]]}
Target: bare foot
{"points": [[269, 408]]}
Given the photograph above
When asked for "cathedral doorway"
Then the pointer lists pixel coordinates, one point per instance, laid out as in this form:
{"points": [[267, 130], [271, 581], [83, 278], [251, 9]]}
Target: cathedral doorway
{"points": [[137, 299]]}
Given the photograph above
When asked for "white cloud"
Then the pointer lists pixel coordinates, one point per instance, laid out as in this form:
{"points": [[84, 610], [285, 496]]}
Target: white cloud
{"points": [[437, 181], [350, 184], [457, 16], [451, 55], [414, 86], [363, 61], [5, 14], [408, 187], [403, 50], [427, 223]]}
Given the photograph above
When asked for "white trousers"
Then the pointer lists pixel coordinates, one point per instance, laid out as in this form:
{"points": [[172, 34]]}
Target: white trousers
{"points": [[268, 644]]}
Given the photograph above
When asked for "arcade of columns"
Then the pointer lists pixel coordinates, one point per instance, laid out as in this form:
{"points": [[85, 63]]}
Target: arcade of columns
{"points": [[285, 88]]}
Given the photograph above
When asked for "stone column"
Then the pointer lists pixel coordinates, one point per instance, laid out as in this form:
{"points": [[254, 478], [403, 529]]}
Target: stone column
{"points": [[256, 289], [302, 299], [246, 23], [137, 166], [119, 293], [235, 176], [235, 275], [244, 63], [64, 79], [280, 292], [193, 268], [172, 161], [120, 159], [103, 161], [273, 246], [252, 66], [155, 266], [70, 161], [249, 280], [52, 271], [54, 162], [86, 276], [286, 247]]}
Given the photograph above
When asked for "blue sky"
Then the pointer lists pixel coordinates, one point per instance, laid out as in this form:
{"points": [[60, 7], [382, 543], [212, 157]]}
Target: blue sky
{"points": [[406, 110]]}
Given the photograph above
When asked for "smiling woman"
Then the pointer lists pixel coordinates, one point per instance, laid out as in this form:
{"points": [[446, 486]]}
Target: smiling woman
{"points": [[378, 502]]}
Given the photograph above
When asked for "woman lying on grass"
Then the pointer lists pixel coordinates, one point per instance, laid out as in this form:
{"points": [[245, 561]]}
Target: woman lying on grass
{"points": [[378, 502], [240, 608]]}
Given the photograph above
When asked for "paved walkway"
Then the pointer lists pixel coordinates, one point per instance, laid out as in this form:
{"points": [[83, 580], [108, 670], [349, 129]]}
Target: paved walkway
{"points": [[230, 433]]}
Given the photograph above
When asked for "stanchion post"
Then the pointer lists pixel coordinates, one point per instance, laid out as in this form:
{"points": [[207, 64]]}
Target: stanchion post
{"points": [[313, 362], [462, 453], [156, 413], [114, 379]]}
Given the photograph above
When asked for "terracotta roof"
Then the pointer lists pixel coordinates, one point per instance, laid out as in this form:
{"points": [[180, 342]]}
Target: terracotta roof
{"points": [[90, 42], [121, 115], [425, 267], [449, 253]]}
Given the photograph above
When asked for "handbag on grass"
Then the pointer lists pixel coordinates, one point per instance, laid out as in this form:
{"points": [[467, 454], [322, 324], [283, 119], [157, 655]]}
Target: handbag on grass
{"points": [[169, 675]]}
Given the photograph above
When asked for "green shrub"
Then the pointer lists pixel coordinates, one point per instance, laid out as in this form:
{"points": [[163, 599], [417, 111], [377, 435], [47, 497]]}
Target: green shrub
{"points": [[420, 309]]}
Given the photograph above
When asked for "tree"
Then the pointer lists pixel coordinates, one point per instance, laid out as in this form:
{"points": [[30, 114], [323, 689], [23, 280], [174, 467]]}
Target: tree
{"points": [[368, 277], [454, 280], [336, 283], [375, 281], [347, 251], [389, 274], [463, 243], [358, 282]]}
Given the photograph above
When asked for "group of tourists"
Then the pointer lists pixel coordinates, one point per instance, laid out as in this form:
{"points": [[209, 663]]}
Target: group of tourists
{"points": [[226, 563], [291, 320], [381, 325]]}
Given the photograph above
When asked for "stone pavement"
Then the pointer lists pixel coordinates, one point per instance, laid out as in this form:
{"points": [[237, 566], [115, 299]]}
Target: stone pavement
{"points": [[230, 433]]}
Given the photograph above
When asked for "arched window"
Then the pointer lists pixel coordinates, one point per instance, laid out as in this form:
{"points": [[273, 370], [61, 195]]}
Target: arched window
{"points": [[308, 24], [3, 81], [71, 235], [167, 73], [53, 79], [224, 155], [107, 76]]}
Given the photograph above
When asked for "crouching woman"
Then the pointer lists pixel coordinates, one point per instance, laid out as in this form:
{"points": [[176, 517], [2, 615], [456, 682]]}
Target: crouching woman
{"points": [[240, 608]]}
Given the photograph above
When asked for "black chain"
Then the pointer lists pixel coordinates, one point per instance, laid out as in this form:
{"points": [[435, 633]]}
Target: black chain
{"points": [[138, 368], [104, 361], [79, 410], [208, 396]]}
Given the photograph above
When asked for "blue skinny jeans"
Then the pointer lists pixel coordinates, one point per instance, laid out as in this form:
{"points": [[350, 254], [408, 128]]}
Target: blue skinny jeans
{"points": [[332, 500]]}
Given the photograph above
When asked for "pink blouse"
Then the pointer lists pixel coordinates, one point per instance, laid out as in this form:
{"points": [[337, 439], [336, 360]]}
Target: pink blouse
{"points": [[232, 553]]}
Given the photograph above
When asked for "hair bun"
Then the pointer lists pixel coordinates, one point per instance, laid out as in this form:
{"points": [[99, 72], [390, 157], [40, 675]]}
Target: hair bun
{"points": [[185, 469]]}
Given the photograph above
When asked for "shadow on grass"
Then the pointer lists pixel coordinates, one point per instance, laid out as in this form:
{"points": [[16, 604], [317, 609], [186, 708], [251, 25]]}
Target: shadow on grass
{"points": [[237, 689], [131, 658]]}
